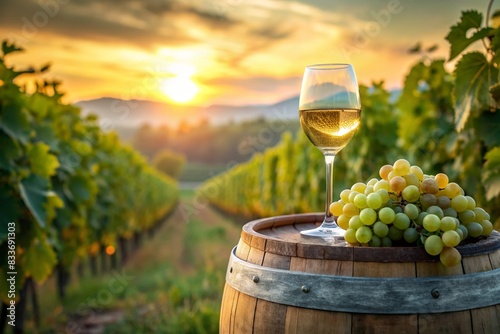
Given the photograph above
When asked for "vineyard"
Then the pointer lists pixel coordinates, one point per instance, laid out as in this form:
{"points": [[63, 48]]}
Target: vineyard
{"points": [[68, 190], [74, 197], [442, 121]]}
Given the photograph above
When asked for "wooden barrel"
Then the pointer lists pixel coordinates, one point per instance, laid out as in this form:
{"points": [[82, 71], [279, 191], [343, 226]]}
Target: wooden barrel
{"points": [[278, 281]]}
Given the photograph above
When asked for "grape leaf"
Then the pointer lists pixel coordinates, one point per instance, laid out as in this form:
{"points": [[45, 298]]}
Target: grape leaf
{"points": [[491, 173], [9, 48], [474, 76], [10, 152], [14, 121], [458, 33], [9, 210], [42, 162], [488, 127], [82, 188], [39, 260], [44, 132], [495, 46], [33, 191]]}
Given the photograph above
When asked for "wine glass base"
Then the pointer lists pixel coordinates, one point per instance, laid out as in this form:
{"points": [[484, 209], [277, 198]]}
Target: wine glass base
{"points": [[327, 231]]}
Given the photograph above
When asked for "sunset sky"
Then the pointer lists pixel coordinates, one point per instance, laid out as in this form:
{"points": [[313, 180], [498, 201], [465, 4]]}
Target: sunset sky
{"points": [[204, 52]]}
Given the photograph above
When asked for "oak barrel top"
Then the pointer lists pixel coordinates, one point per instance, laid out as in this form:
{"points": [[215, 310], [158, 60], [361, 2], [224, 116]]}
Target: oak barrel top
{"points": [[281, 235]]}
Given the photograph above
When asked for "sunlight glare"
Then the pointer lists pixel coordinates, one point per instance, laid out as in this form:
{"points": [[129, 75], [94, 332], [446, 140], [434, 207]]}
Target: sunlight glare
{"points": [[180, 89]]}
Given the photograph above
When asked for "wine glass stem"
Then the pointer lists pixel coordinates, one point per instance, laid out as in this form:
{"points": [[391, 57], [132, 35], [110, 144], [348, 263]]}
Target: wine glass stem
{"points": [[329, 158]]}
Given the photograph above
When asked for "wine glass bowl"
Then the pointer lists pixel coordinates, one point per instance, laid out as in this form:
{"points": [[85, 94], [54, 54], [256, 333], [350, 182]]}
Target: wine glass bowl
{"points": [[329, 113]]}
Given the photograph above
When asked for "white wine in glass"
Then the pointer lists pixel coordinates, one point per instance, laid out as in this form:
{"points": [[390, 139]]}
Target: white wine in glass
{"points": [[330, 113]]}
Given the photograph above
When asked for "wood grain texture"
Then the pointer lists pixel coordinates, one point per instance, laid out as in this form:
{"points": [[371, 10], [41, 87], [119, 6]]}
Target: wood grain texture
{"points": [[369, 323]]}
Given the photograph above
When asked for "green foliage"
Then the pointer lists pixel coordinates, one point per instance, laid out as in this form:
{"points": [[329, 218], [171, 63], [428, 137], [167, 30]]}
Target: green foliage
{"points": [[65, 183], [458, 33], [169, 163], [474, 76]]}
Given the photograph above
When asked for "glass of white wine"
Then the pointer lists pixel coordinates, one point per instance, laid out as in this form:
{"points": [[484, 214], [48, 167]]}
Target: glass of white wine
{"points": [[330, 113]]}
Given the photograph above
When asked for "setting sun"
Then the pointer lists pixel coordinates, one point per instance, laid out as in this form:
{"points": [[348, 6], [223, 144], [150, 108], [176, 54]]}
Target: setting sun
{"points": [[179, 89]]}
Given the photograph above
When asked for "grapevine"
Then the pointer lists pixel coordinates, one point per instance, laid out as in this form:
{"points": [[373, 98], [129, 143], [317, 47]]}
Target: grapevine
{"points": [[68, 187]]}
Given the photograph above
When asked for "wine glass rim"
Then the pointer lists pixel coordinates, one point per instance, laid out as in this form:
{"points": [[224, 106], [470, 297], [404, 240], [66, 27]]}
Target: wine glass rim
{"points": [[329, 66]]}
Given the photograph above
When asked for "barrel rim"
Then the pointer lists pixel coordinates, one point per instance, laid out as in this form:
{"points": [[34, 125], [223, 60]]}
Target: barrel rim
{"points": [[319, 249]]}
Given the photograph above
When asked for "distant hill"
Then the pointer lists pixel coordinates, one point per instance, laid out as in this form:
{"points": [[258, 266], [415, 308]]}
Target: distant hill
{"points": [[116, 113], [127, 115]]}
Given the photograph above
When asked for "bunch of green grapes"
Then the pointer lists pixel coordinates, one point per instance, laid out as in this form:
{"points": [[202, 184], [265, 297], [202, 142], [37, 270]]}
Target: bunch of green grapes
{"points": [[408, 206]]}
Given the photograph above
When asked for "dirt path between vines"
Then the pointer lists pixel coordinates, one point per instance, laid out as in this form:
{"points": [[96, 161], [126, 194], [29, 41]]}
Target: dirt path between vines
{"points": [[170, 236]]}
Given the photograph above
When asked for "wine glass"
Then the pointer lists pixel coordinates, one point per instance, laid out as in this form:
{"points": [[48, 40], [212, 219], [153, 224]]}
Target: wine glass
{"points": [[330, 112]]}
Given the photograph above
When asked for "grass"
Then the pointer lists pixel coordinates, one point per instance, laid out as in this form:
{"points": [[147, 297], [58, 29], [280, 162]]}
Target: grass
{"points": [[173, 284]]}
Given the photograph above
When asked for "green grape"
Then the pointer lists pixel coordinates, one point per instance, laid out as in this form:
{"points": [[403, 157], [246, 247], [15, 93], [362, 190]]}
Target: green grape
{"points": [[384, 171], [386, 242], [386, 215], [364, 234], [350, 236], [471, 203], [360, 201], [411, 235], [368, 190], [411, 193], [344, 195], [420, 218], [375, 242], [398, 209], [450, 257], [450, 212], [395, 233], [382, 184], [352, 195], [401, 221], [374, 201], [397, 184], [487, 227], [427, 200], [442, 180], [448, 224], [336, 208], [467, 216], [418, 172], [460, 233], [452, 190], [433, 245], [350, 210], [412, 180], [343, 221], [355, 222], [451, 238], [429, 186], [443, 202], [388, 204], [432, 222], [481, 214], [475, 229], [401, 167], [459, 203], [380, 229], [412, 211], [384, 195], [359, 187], [368, 216], [372, 182], [464, 230], [436, 210]]}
